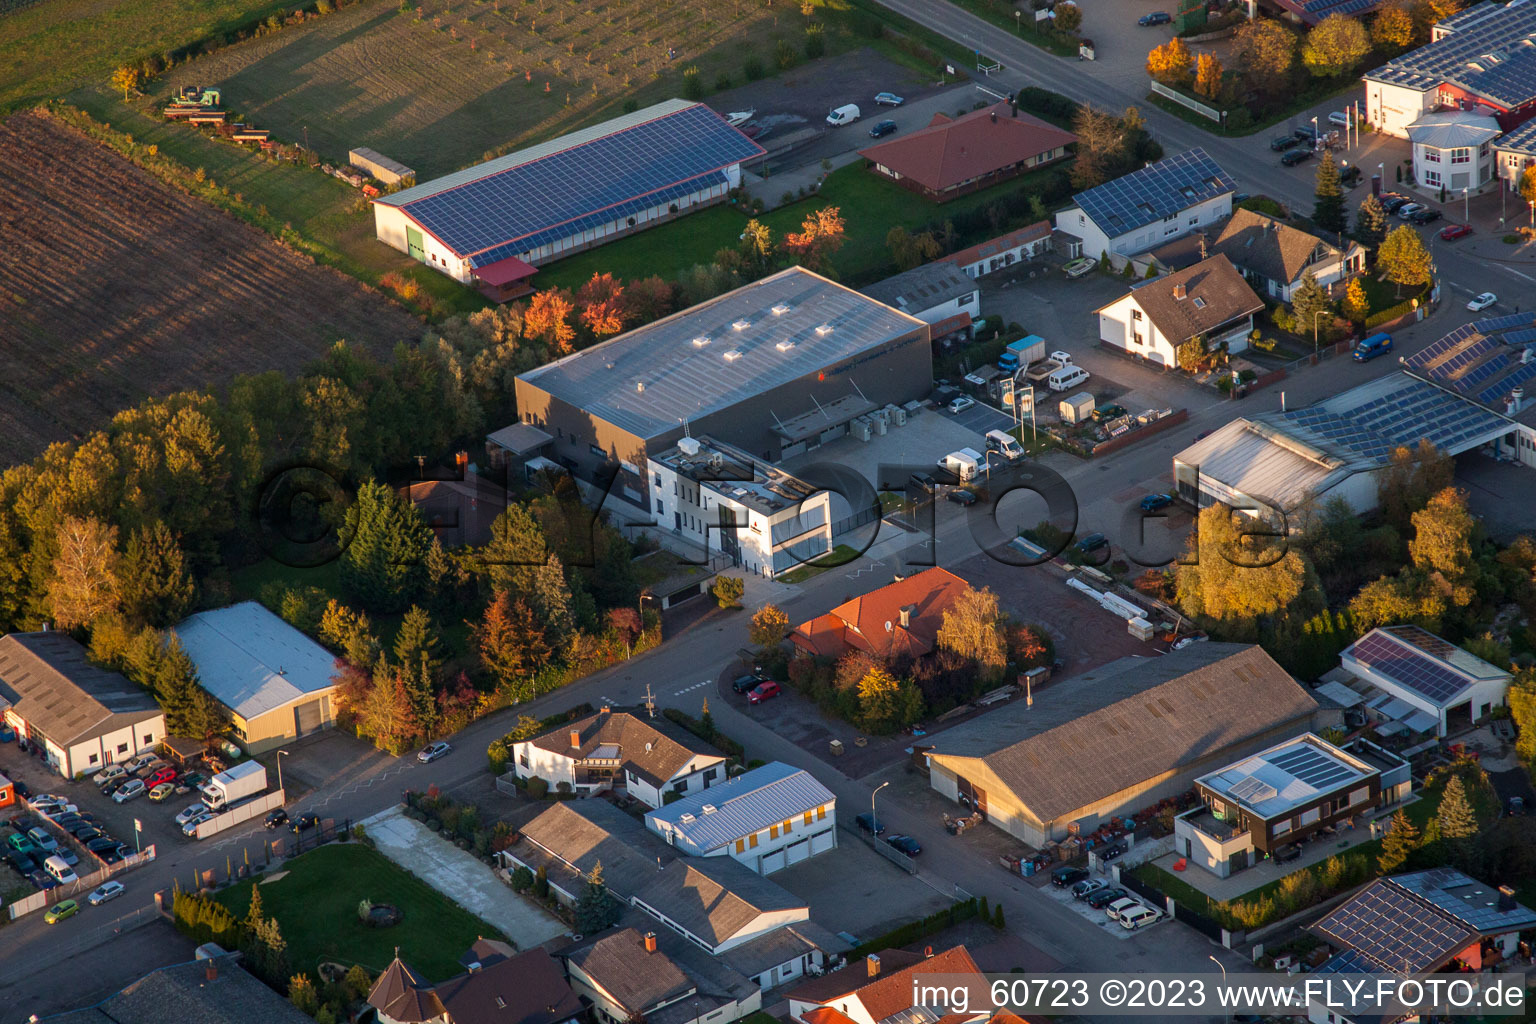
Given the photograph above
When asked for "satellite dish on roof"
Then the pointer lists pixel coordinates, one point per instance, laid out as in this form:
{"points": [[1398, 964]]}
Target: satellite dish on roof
{"points": [[888, 626]]}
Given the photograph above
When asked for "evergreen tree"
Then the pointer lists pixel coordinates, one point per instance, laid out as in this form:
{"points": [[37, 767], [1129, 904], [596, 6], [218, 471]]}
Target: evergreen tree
{"points": [[384, 564], [1357, 305], [416, 643], [596, 909], [551, 598], [1328, 212], [1457, 820], [1397, 844], [1310, 304], [253, 915], [357, 982], [1370, 223], [274, 962], [706, 720], [189, 709], [541, 883], [153, 581], [302, 994]]}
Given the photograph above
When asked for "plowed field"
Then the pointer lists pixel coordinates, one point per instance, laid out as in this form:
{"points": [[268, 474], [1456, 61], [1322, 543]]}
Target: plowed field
{"points": [[114, 287]]}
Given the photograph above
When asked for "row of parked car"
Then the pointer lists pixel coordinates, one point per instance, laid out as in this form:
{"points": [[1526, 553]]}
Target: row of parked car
{"points": [[896, 840], [1117, 904], [144, 775], [36, 852]]}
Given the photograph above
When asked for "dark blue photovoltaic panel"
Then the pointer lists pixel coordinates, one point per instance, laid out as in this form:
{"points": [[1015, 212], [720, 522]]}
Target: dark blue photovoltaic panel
{"points": [[1503, 387], [1154, 193], [1487, 56], [1395, 930], [596, 176], [1408, 668]]}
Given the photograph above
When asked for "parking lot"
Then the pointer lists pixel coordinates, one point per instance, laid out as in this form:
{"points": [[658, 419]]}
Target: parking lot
{"points": [[854, 889]]}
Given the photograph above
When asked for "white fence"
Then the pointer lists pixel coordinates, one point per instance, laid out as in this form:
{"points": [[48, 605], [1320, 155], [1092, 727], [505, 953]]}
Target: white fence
{"points": [[241, 813], [1185, 101], [46, 897]]}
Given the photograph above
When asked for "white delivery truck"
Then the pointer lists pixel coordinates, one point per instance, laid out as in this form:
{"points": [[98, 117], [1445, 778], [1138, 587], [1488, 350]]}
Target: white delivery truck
{"points": [[1005, 444], [230, 787], [845, 114], [964, 463]]}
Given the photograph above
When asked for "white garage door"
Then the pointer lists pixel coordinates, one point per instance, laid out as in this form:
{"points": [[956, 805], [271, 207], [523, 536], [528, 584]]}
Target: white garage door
{"points": [[798, 851], [774, 862], [821, 842]]}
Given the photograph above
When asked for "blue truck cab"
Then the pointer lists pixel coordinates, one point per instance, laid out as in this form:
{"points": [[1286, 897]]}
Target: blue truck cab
{"points": [[1376, 345], [1021, 353]]}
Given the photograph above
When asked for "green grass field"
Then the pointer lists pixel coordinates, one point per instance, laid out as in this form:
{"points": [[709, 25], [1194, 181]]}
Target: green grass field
{"points": [[870, 205], [52, 47], [315, 905]]}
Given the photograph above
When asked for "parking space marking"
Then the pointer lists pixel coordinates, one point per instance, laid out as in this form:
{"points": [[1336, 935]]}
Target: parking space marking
{"points": [[689, 689]]}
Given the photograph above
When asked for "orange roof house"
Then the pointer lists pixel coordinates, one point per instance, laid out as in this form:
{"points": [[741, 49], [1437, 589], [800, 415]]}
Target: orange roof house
{"points": [[951, 157], [902, 618], [881, 991]]}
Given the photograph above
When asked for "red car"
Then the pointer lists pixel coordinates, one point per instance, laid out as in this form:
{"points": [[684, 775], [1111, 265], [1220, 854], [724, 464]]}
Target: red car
{"points": [[1451, 231], [166, 774], [763, 692]]}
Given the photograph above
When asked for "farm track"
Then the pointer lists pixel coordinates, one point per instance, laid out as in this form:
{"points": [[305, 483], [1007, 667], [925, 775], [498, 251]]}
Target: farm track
{"points": [[114, 287]]}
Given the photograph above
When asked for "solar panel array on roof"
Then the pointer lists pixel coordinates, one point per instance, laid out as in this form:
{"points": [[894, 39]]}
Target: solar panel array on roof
{"points": [[1477, 905], [1313, 767], [1253, 790], [1155, 192], [1313, 11], [561, 192], [1403, 665], [1396, 930], [1484, 360], [1461, 57], [1424, 640], [1400, 419]]}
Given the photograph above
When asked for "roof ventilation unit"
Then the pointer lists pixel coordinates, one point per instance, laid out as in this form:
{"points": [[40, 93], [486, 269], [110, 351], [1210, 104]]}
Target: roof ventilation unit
{"points": [[782, 308], [824, 330], [701, 341], [640, 385], [732, 355], [741, 325], [708, 808], [785, 345], [686, 819], [688, 445]]}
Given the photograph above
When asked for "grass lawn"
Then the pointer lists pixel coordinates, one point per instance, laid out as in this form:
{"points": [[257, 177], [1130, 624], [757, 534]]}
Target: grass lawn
{"points": [[870, 206], [316, 907], [841, 555], [50, 48]]}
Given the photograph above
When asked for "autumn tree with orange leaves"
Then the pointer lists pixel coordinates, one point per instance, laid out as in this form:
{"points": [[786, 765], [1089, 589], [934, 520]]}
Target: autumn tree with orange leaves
{"points": [[548, 319], [604, 308], [821, 234]]}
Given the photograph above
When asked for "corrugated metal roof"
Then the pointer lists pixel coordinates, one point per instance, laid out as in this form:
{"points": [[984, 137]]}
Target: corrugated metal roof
{"points": [[49, 682], [922, 288], [749, 803], [1247, 457], [682, 361], [253, 661]]}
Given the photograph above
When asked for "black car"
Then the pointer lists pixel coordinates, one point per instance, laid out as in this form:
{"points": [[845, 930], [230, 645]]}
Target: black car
{"points": [[68, 821], [1393, 201], [906, 844], [1091, 543], [747, 683], [882, 129], [869, 823], [1063, 878], [276, 818], [113, 785], [1349, 177], [1296, 156], [305, 821], [87, 832], [1307, 134], [1112, 851], [961, 496], [1155, 18], [1424, 216], [23, 822], [1104, 897], [926, 482], [1283, 143]]}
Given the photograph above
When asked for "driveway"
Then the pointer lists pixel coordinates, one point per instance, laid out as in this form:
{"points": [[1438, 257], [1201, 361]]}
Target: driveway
{"points": [[462, 877]]}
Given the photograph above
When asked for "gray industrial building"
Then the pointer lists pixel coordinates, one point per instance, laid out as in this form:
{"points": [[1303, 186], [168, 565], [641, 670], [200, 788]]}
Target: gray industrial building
{"points": [[777, 368]]}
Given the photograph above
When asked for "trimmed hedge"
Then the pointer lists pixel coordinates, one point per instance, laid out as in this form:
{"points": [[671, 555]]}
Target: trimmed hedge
{"points": [[912, 931], [718, 739], [1392, 312]]}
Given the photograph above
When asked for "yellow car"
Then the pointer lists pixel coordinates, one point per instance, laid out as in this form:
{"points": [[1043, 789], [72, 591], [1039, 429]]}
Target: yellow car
{"points": [[59, 911], [164, 791]]}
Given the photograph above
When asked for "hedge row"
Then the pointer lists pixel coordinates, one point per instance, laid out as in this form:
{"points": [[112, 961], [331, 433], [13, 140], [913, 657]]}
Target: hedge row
{"points": [[912, 931], [1392, 312]]}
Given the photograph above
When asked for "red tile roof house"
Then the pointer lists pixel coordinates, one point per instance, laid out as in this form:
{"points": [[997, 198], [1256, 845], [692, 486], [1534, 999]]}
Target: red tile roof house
{"points": [[954, 156], [881, 991], [900, 619]]}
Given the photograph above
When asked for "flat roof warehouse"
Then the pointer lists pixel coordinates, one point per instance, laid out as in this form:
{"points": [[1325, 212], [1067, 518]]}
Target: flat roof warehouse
{"points": [[717, 354]]}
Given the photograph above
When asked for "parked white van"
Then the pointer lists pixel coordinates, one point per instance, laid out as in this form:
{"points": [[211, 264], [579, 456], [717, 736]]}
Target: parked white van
{"points": [[845, 114], [1004, 444], [964, 464], [60, 870], [1066, 378], [1138, 917]]}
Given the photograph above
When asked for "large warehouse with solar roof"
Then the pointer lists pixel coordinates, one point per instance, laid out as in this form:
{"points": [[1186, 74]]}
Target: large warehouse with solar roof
{"points": [[1459, 393], [492, 225]]}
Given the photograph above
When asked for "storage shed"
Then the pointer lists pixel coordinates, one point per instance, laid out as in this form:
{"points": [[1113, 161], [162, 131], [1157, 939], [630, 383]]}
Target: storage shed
{"points": [[388, 171], [1076, 408]]}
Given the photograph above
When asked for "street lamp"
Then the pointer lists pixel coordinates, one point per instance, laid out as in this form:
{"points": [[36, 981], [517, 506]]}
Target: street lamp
{"points": [[1316, 138], [1314, 329], [874, 822], [1018, 26], [1466, 206], [1212, 958], [280, 754], [1532, 204]]}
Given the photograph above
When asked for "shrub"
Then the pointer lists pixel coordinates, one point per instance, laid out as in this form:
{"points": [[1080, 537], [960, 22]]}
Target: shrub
{"points": [[538, 788], [522, 880], [784, 55], [722, 82], [753, 68], [498, 754], [693, 85]]}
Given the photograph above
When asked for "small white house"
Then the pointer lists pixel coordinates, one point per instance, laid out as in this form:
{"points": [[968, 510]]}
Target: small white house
{"points": [[763, 519], [1155, 204], [995, 254], [1209, 300], [1445, 685], [1453, 150], [767, 819], [647, 757]]}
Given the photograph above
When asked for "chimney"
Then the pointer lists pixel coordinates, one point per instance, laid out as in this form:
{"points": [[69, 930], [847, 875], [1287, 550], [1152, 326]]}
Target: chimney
{"points": [[1506, 898], [927, 952], [1179, 291], [473, 968], [906, 615], [994, 117], [650, 942], [576, 739], [872, 964], [211, 970], [1517, 396]]}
